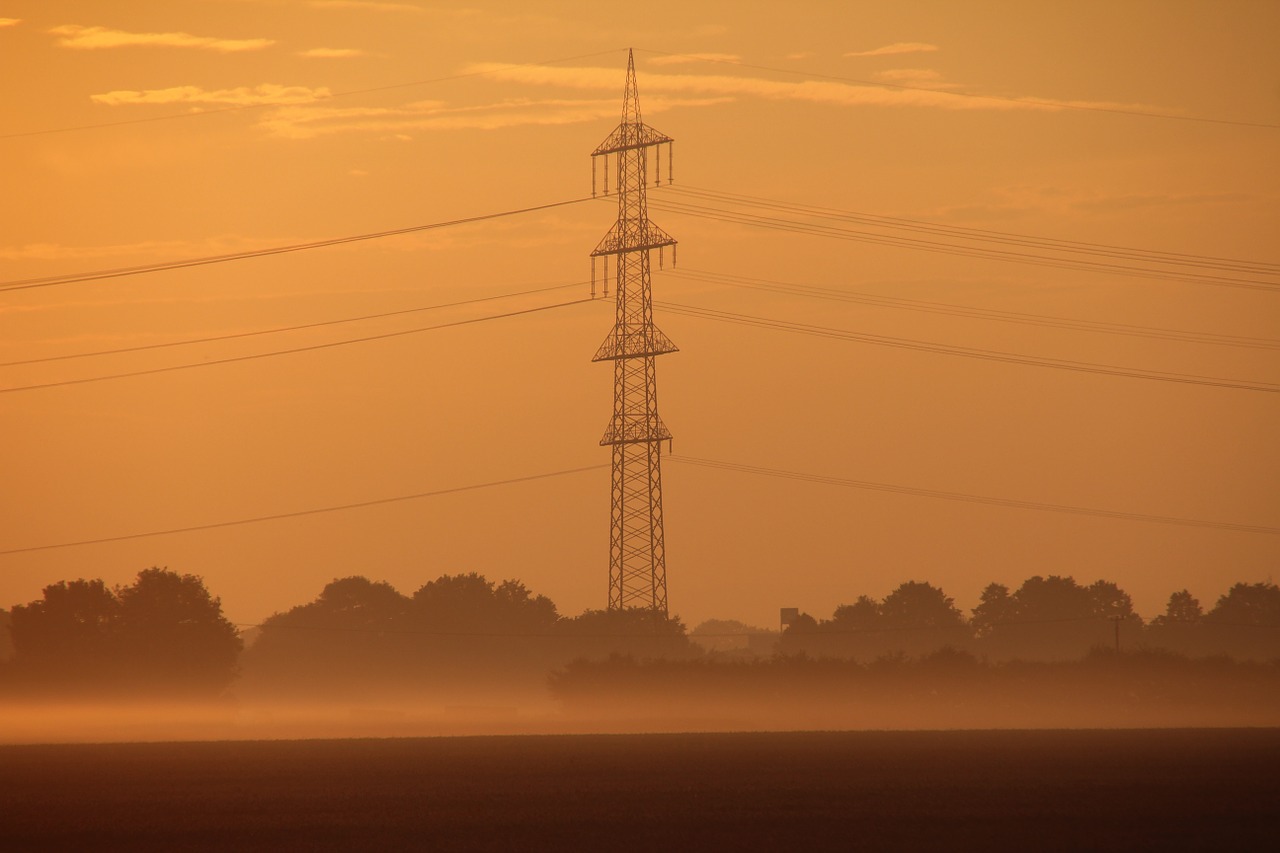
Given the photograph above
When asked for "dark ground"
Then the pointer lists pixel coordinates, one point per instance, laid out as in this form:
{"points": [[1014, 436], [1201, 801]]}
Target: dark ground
{"points": [[962, 790]]}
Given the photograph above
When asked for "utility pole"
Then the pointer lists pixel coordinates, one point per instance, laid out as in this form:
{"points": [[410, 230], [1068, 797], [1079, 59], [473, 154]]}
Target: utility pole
{"points": [[637, 553]]}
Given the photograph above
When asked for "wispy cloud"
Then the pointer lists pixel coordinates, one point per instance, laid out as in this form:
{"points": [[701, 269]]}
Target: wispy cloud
{"points": [[10, 22], [812, 91], [913, 77], [368, 5], [684, 59], [896, 48], [266, 93], [310, 121], [96, 38], [331, 52]]}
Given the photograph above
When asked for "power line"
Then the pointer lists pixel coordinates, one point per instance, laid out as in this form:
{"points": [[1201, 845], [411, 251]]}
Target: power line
{"points": [[971, 498], [94, 275], [331, 96], [966, 352], [955, 310], [970, 95], [836, 232], [311, 348], [280, 329], [305, 512], [1109, 250]]}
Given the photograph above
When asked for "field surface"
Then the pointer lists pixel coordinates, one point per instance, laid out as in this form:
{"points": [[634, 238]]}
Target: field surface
{"points": [[978, 790]]}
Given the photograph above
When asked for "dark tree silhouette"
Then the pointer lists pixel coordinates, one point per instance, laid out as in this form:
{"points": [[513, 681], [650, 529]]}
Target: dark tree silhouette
{"points": [[351, 636], [172, 634], [994, 608], [1252, 604], [164, 633], [470, 603], [918, 605], [863, 614], [915, 619], [1183, 609], [67, 636], [1054, 617], [634, 631], [6, 639]]}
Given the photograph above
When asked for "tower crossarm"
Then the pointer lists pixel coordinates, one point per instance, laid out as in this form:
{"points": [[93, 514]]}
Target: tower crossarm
{"points": [[628, 235], [629, 136]]}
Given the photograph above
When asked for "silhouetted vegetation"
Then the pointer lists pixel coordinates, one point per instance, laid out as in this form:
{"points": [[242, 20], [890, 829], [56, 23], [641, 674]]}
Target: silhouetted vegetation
{"points": [[361, 638], [163, 633]]}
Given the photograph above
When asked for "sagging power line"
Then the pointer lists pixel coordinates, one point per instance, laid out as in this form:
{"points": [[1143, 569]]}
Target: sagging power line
{"points": [[971, 498], [310, 348], [964, 352], [839, 232], [283, 329], [95, 275], [952, 309]]}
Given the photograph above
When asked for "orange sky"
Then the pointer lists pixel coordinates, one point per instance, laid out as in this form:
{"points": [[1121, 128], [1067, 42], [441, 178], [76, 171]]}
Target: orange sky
{"points": [[346, 134]]}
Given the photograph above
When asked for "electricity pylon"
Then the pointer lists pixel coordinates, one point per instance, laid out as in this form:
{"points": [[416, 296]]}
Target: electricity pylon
{"points": [[637, 553]]}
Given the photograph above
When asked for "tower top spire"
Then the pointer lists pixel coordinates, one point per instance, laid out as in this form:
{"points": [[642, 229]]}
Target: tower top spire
{"points": [[631, 95], [631, 132]]}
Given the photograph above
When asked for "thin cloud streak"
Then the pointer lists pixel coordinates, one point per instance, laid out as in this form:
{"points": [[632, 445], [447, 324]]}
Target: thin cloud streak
{"points": [[330, 52], [684, 59], [812, 91], [307, 122], [266, 93], [896, 48], [10, 22], [79, 37], [366, 5]]}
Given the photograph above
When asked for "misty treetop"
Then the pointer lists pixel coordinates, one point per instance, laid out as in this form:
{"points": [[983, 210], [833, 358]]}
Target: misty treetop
{"points": [[163, 632], [362, 635]]}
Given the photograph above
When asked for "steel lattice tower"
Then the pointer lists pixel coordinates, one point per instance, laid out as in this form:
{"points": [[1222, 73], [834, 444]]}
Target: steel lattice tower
{"points": [[637, 554]]}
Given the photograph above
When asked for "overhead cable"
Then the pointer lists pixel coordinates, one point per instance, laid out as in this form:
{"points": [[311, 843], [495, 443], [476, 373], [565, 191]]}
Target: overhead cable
{"points": [[311, 348], [720, 214], [304, 512], [966, 352], [956, 310], [971, 498], [94, 275], [280, 329]]}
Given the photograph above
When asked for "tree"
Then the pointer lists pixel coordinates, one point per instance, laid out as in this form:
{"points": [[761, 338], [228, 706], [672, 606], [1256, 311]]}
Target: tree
{"points": [[1248, 604], [634, 631], [994, 608], [471, 603], [1183, 609], [6, 639], [164, 633], [862, 615], [68, 636], [172, 634], [1054, 617], [1110, 601], [352, 636], [918, 605], [1041, 599]]}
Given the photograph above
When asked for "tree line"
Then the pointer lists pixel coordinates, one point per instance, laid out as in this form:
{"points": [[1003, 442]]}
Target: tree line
{"points": [[166, 633], [1045, 618]]}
